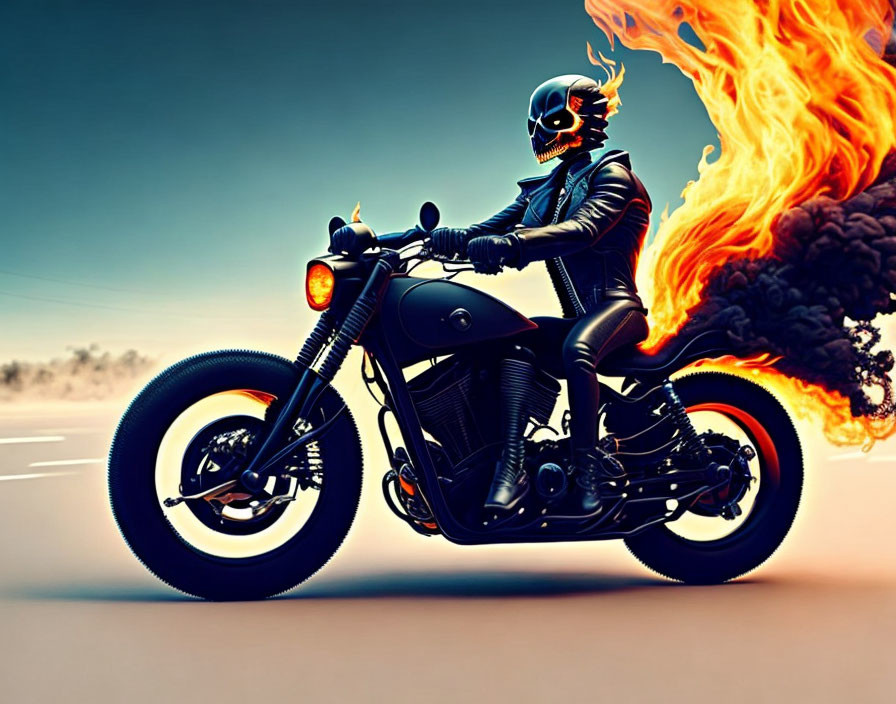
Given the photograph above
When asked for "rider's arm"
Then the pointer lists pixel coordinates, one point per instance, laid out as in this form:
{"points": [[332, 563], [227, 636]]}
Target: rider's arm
{"points": [[612, 190], [451, 240], [501, 223]]}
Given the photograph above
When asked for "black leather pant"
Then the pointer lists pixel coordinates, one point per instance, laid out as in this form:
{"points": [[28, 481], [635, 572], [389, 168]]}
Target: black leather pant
{"points": [[611, 324]]}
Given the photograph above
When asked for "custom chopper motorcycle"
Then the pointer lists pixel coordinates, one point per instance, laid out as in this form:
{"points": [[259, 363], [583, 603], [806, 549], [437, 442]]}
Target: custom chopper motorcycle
{"points": [[236, 475]]}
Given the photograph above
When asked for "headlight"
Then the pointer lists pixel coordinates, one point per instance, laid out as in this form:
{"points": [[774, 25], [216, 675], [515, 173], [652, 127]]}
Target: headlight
{"points": [[319, 283]]}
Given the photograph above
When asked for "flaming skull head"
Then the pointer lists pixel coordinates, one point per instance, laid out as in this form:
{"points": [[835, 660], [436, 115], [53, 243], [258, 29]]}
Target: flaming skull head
{"points": [[567, 115]]}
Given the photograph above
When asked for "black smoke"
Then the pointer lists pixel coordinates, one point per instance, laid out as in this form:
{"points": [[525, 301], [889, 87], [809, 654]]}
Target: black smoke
{"points": [[813, 303]]}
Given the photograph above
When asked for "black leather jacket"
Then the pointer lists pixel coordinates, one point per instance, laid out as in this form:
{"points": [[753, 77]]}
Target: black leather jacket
{"points": [[596, 232]]}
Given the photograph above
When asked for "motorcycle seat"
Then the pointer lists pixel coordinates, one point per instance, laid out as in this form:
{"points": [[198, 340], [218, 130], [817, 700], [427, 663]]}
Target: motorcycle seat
{"points": [[675, 354], [547, 339]]}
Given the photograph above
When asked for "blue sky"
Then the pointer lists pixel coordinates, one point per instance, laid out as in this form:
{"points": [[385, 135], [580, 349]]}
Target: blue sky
{"points": [[166, 168]]}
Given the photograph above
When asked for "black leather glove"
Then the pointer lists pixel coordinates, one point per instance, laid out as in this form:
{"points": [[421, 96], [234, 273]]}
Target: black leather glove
{"points": [[488, 254], [449, 242]]}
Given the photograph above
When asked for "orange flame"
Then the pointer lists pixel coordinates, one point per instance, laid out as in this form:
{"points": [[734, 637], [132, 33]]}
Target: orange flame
{"points": [[610, 87], [803, 106], [806, 401]]}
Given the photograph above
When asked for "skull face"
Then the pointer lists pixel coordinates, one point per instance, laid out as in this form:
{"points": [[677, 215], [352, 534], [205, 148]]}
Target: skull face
{"points": [[566, 117]]}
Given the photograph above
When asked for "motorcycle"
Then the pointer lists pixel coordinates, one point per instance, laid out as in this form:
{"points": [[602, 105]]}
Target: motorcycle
{"points": [[237, 475]]}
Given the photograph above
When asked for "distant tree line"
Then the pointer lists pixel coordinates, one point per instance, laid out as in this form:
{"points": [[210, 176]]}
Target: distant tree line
{"points": [[88, 373]]}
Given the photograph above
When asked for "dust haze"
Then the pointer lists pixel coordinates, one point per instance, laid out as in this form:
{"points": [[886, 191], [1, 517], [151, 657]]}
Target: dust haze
{"points": [[86, 374]]}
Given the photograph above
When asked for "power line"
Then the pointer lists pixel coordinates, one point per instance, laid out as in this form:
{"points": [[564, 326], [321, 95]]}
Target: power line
{"points": [[69, 282]]}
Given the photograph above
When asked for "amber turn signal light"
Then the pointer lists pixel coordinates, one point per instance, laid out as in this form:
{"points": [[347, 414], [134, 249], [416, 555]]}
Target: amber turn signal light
{"points": [[319, 283]]}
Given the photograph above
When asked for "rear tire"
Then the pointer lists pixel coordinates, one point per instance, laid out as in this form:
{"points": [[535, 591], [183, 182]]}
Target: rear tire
{"points": [[139, 512], [777, 500]]}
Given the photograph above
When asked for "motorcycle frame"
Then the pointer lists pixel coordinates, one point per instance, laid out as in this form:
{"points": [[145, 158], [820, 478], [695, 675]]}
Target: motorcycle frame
{"points": [[331, 340], [405, 413]]}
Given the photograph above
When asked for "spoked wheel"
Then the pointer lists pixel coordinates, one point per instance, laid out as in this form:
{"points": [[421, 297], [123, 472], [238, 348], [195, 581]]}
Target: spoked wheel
{"points": [[188, 434], [735, 528]]}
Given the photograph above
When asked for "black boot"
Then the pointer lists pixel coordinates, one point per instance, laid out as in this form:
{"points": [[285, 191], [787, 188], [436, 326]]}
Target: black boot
{"points": [[511, 483], [508, 487], [598, 476]]}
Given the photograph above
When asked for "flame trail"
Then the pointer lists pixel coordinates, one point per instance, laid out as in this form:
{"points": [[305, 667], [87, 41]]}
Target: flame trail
{"points": [[805, 107]]}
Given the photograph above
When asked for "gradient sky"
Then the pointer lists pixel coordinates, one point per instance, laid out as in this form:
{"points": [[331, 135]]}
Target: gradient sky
{"points": [[166, 168]]}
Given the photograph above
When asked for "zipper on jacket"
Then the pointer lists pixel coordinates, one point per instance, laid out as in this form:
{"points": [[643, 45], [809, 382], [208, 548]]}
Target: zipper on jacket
{"points": [[560, 267]]}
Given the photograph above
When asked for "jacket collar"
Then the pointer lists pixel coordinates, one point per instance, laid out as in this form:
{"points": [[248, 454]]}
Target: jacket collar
{"points": [[578, 166], [574, 166]]}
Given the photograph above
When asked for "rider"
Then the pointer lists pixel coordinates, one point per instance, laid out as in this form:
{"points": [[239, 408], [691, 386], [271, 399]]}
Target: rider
{"points": [[587, 219]]}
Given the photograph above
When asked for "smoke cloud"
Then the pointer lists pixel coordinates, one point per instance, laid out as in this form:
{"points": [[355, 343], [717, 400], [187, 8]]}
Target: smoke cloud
{"points": [[813, 303]]}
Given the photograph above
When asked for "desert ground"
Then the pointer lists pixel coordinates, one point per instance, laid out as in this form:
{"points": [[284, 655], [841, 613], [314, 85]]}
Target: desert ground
{"points": [[402, 618]]}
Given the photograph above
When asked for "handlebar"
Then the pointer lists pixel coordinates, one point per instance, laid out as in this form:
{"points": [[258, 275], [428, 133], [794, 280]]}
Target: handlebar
{"points": [[417, 234], [399, 240], [462, 264]]}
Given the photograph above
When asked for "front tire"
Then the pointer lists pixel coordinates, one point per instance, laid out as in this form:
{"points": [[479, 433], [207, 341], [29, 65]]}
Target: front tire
{"points": [[228, 574], [772, 434]]}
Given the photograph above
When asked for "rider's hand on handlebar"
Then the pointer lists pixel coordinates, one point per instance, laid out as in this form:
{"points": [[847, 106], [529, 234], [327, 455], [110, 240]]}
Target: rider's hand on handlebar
{"points": [[490, 253], [448, 242]]}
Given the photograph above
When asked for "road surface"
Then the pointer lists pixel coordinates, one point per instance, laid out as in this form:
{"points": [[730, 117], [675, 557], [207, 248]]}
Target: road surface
{"points": [[396, 617]]}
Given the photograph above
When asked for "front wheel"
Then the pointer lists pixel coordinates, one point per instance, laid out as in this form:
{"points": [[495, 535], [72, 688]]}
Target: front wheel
{"points": [[704, 547], [181, 433]]}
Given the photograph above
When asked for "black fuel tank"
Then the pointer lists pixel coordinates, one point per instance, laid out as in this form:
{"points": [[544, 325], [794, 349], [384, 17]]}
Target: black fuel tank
{"points": [[425, 318]]}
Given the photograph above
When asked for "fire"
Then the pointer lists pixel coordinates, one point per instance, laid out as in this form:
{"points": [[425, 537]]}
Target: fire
{"points": [[610, 87], [803, 105], [806, 401]]}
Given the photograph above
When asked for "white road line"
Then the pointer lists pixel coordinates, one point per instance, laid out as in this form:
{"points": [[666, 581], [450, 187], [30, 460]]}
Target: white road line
{"points": [[11, 477], [35, 438], [66, 463]]}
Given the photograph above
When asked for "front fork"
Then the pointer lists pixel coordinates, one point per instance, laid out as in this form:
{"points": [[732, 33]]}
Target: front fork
{"points": [[312, 382]]}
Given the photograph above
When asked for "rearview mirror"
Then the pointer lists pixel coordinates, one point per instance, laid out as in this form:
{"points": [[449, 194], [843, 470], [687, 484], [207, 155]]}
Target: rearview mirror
{"points": [[429, 216]]}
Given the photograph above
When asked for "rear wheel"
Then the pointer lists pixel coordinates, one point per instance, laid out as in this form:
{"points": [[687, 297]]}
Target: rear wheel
{"points": [[238, 545], [704, 547]]}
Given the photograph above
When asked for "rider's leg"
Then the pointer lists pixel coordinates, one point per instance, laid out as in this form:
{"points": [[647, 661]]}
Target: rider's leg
{"points": [[613, 324], [510, 482]]}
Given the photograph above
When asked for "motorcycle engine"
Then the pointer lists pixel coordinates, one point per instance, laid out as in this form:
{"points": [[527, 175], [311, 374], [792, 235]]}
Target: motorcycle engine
{"points": [[460, 403]]}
